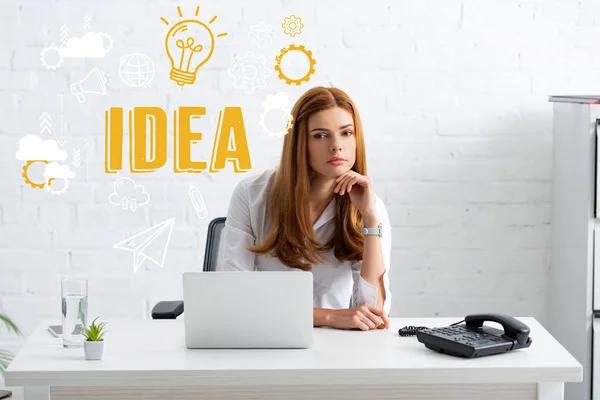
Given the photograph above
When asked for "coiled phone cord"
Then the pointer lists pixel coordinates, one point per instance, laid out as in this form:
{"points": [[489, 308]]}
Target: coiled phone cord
{"points": [[412, 330]]}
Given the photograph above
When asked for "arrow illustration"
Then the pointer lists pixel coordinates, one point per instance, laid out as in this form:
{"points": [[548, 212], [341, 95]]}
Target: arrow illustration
{"points": [[64, 35], [87, 163], [87, 23], [45, 124], [77, 157]]}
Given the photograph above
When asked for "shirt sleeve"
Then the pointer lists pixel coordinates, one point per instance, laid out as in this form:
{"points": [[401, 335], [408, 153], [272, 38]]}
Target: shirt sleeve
{"points": [[364, 292], [238, 234]]}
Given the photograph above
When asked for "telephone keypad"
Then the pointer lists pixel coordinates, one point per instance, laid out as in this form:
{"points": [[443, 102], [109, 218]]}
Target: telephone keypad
{"points": [[460, 334]]}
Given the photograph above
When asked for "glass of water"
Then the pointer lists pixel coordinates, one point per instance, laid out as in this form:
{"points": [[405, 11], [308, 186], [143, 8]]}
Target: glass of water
{"points": [[74, 294]]}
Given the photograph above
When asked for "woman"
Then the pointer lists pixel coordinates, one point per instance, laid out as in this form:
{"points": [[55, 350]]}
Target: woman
{"points": [[308, 213]]}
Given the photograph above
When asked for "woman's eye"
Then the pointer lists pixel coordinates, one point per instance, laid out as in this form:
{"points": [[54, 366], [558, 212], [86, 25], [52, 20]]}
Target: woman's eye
{"points": [[322, 135]]}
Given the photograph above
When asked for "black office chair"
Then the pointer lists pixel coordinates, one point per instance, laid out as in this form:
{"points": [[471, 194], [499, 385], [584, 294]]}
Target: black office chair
{"points": [[173, 309]]}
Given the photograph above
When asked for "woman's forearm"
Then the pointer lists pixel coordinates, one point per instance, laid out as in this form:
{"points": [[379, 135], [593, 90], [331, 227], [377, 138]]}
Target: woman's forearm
{"points": [[372, 268], [321, 316]]}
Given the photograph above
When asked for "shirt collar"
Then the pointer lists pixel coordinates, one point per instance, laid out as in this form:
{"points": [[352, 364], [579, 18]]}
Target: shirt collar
{"points": [[327, 214]]}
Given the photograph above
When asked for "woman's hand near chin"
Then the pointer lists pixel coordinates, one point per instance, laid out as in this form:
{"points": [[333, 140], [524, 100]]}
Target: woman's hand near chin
{"points": [[360, 189]]}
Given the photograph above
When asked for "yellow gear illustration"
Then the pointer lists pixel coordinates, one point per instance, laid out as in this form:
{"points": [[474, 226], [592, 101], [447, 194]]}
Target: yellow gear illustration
{"points": [[292, 25], [290, 125], [311, 60], [26, 177]]}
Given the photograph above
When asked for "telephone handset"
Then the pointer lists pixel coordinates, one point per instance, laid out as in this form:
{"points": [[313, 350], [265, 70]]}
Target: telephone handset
{"points": [[473, 338]]}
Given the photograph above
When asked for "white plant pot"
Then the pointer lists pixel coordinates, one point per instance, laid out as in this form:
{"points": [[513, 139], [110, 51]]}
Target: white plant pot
{"points": [[93, 350]]}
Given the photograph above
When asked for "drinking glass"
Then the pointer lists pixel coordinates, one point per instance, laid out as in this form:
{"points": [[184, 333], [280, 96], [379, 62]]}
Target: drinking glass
{"points": [[74, 294]]}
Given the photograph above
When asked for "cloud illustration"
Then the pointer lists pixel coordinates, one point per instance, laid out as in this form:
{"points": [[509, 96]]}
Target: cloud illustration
{"points": [[32, 147], [128, 194], [57, 171], [89, 45]]}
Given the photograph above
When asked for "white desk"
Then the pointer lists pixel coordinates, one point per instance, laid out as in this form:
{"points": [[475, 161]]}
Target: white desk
{"points": [[146, 359]]}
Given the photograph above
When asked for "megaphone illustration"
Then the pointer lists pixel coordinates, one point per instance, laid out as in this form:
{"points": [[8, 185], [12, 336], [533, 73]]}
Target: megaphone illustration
{"points": [[93, 83]]}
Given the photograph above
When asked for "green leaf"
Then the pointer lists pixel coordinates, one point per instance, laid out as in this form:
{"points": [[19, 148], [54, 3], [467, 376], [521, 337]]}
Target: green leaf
{"points": [[9, 324], [5, 356], [95, 332], [8, 357], [5, 359]]}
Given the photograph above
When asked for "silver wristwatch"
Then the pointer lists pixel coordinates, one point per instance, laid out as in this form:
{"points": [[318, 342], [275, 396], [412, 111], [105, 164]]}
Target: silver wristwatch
{"points": [[373, 231]]}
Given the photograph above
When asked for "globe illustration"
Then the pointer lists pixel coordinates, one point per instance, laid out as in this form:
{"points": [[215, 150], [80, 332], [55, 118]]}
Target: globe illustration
{"points": [[137, 70]]}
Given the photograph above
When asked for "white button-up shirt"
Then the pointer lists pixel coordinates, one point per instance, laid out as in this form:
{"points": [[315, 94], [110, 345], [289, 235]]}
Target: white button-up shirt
{"points": [[335, 283]]}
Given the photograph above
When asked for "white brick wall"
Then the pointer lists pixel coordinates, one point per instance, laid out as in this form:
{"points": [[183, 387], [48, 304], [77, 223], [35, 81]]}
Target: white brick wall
{"points": [[453, 94]]}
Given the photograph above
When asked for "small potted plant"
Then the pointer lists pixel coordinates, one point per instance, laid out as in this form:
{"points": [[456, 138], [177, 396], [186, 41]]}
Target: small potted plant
{"points": [[94, 341]]}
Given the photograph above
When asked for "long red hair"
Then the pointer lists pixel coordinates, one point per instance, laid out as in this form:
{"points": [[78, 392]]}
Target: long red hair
{"points": [[291, 238]]}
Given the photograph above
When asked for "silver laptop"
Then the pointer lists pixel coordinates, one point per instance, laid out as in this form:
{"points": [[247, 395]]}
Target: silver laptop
{"points": [[242, 309]]}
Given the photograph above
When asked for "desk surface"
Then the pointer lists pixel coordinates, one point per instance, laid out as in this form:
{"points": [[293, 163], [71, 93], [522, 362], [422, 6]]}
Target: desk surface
{"points": [[152, 353]]}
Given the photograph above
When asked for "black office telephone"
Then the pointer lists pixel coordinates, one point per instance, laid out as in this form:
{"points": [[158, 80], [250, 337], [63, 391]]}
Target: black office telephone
{"points": [[473, 339]]}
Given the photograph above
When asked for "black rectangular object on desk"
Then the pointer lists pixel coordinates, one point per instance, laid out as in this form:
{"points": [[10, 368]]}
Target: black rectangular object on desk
{"points": [[167, 309], [468, 342]]}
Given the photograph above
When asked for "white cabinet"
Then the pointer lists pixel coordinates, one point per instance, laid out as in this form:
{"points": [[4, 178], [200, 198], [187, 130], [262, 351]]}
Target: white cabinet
{"points": [[596, 275], [596, 169], [596, 356], [574, 251]]}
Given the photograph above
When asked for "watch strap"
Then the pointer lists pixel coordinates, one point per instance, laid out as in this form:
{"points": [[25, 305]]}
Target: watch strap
{"points": [[373, 231]]}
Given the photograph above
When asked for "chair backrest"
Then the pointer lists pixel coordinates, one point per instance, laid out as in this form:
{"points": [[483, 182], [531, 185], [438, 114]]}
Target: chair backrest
{"points": [[214, 242]]}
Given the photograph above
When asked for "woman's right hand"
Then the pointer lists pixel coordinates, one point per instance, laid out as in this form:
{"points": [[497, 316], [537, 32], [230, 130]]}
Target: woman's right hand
{"points": [[364, 317]]}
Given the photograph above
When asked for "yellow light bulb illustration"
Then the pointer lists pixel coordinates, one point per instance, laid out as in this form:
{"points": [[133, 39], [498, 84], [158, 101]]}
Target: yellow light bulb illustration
{"points": [[190, 44]]}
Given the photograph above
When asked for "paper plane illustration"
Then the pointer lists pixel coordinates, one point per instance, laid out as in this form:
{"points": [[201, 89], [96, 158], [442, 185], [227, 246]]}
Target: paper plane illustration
{"points": [[150, 244]]}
